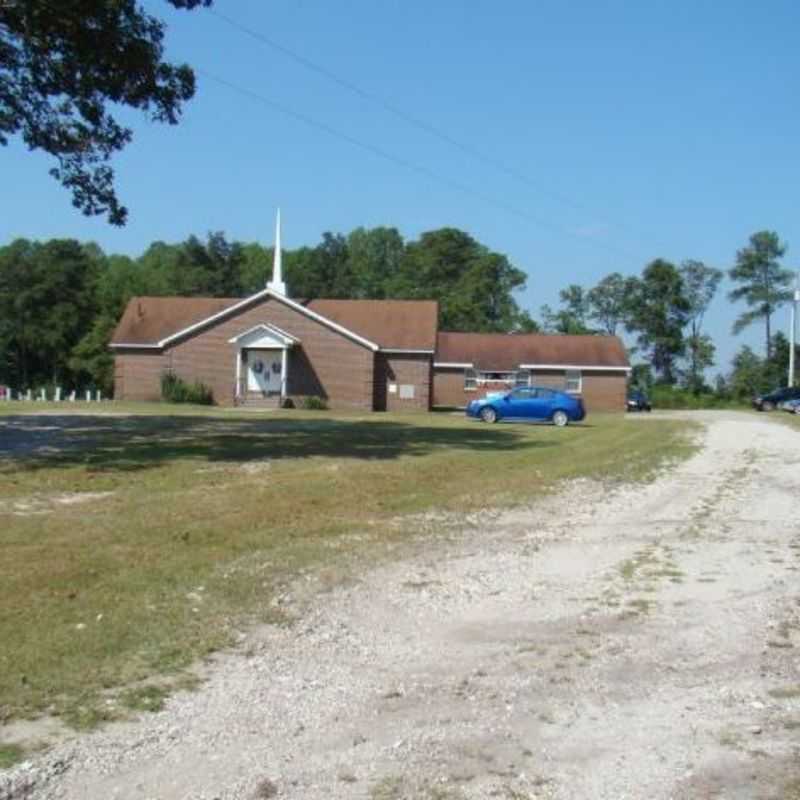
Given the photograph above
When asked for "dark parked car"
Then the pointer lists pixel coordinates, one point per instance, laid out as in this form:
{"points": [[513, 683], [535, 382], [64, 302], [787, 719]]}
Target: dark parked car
{"points": [[771, 400], [638, 401], [529, 403]]}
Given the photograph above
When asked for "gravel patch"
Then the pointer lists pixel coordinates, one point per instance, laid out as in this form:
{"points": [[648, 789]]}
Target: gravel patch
{"points": [[608, 642]]}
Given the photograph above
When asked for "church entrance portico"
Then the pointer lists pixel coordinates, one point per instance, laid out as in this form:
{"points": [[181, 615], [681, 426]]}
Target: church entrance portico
{"points": [[262, 362]]}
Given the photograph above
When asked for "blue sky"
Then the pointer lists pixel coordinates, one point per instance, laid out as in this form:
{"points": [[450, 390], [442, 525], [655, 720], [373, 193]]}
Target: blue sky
{"points": [[634, 130]]}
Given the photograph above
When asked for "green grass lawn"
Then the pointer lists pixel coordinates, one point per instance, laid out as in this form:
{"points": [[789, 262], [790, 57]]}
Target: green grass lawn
{"points": [[132, 545]]}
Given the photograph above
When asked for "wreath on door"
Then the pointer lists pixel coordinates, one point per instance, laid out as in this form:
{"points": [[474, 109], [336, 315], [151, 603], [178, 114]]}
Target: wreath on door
{"points": [[258, 366]]}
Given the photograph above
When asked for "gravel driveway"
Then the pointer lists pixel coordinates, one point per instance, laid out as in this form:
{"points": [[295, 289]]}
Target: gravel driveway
{"points": [[608, 642]]}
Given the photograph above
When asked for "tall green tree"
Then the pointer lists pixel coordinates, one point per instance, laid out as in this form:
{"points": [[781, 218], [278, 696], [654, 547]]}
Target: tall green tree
{"points": [[321, 271], [748, 375], [763, 283], [375, 257], [658, 312], [474, 285], [46, 306], [607, 304], [700, 283], [194, 268], [572, 316], [65, 66]]}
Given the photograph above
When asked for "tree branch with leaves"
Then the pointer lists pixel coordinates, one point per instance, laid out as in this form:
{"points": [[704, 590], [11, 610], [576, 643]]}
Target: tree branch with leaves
{"points": [[63, 63]]}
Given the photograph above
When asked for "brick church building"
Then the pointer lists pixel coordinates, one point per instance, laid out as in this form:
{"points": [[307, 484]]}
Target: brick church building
{"points": [[380, 355]]}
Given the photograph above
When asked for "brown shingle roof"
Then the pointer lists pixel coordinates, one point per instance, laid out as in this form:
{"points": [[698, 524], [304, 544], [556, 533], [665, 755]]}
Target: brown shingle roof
{"points": [[500, 351], [392, 324], [148, 320]]}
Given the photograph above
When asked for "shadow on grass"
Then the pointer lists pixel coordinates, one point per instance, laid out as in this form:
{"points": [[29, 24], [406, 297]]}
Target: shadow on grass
{"points": [[142, 442]]}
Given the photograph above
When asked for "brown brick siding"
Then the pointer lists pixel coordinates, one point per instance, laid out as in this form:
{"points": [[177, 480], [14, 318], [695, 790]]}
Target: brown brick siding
{"points": [[325, 363], [448, 388], [137, 374], [601, 391], [403, 369], [605, 391]]}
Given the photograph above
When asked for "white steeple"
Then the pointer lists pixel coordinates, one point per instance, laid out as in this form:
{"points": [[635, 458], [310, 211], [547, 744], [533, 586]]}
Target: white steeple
{"points": [[277, 284]]}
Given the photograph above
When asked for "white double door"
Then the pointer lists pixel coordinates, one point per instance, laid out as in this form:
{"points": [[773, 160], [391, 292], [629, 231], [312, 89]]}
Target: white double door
{"points": [[264, 368]]}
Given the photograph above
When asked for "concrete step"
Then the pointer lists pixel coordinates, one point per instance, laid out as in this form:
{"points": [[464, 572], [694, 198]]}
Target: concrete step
{"points": [[259, 401]]}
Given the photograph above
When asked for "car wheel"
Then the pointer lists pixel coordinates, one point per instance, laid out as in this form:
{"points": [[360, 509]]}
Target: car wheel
{"points": [[767, 406], [488, 414], [560, 419]]}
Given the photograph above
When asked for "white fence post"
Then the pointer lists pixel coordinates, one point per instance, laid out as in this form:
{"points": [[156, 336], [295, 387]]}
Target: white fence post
{"points": [[88, 395], [97, 396], [72, 396], [43, 395], [29, 395], [58, 394]]}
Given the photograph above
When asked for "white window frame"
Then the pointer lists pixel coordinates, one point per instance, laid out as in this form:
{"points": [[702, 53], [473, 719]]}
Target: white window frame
{"points": [[522, 377], [507, 376], [573, 381], [470, 380]]}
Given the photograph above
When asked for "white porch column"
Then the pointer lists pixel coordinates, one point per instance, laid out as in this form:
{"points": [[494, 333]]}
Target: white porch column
{"points": [[284, 371], [238, 393]]}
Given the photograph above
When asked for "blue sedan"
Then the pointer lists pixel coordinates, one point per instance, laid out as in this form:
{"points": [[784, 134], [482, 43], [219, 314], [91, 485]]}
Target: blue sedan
{"points": [[529, 403]]}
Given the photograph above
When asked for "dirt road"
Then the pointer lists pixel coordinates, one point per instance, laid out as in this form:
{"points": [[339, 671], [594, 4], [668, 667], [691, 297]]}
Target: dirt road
{"points": [[610, 642]]}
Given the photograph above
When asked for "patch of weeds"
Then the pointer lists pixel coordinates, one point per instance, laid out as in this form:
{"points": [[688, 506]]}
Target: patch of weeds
{"points": [[785, 692], [780, 643], [628, 568], [10, 754], [443, 793], [420, 584], [265, 788], [791, 790], [346, 776], [641, 604], [145, 698], [791, 724], [515, 794], [88, 716], [388, 788], [729, 738]]}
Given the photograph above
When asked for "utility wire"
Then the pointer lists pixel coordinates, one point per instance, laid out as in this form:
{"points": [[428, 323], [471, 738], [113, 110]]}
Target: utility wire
{"points": [[402, 162], [396, 111]]}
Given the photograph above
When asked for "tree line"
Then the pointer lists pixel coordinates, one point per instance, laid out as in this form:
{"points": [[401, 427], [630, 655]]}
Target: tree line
{"points": [[60, 300], [663, 310]]}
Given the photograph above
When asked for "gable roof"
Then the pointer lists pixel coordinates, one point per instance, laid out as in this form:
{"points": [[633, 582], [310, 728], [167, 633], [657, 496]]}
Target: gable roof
{"points": [[502, 352], [393, 324], [153, 322], [149, 320]]}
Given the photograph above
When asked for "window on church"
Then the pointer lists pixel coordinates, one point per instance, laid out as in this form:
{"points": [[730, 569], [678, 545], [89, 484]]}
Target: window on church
{"points": [[470, 380], [573, 380]]}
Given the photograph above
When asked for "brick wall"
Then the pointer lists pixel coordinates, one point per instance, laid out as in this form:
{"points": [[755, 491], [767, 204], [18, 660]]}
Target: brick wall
{"points": [[448, 388], [601, 391], [137, 374], [605, 391], [325, 363], [400, 370]]}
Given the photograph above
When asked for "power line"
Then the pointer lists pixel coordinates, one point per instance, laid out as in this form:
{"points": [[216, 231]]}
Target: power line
{"points": [[402, 162], [396, 111]]}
